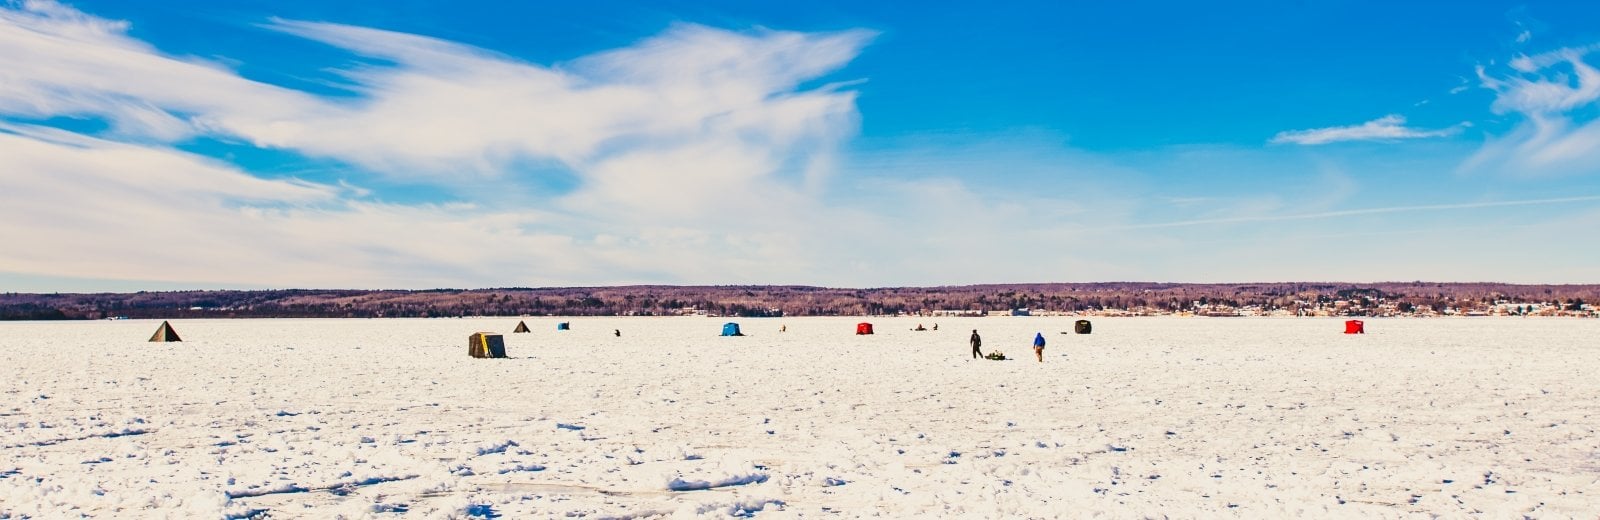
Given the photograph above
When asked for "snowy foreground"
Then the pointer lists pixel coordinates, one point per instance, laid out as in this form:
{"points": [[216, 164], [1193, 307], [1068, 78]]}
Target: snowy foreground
{"points": [[1180, 417]]}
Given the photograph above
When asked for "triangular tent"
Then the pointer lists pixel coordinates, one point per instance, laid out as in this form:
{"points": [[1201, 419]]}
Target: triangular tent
{"points": [[165, 333], [521, 327]]}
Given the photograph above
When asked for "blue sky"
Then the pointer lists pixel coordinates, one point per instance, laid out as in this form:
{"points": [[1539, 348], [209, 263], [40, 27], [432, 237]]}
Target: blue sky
{"points": [[187, 144]]}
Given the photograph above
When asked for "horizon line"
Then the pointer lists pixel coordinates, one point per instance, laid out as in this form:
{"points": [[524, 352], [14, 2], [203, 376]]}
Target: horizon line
{"points": [[782, 285]]}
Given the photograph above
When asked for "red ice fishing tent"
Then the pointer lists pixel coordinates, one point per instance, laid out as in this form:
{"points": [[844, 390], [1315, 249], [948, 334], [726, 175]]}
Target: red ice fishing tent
{"points": [[863, 328], [1355, 327]]}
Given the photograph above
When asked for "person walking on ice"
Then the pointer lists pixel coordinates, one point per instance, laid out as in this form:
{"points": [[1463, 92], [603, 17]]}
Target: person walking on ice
{"points": [[976, 342], [1038, 346]]}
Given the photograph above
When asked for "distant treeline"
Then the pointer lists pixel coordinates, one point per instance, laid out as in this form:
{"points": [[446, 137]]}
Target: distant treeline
{"points": [[753, 301]]}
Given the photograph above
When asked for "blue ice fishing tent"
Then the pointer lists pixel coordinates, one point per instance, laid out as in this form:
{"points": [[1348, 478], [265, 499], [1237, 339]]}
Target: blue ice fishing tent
{"points": [[731, 329], [563, 326]]}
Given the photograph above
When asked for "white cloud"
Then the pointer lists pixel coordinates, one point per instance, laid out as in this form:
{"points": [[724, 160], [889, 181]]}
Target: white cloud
{"points": [[1555, 93], [1390, 127], [696, 154], [441, 109], [59, 62], [111, 210], [1533, 93], [670, 110], [1365, 211]]}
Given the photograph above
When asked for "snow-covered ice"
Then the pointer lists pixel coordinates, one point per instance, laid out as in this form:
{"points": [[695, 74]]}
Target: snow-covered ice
{"points": [[1183, 417]]}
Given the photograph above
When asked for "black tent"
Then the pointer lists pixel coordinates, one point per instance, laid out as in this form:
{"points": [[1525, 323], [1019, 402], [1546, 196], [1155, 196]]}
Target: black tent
{"points": [[521, 327], [165, 333]]}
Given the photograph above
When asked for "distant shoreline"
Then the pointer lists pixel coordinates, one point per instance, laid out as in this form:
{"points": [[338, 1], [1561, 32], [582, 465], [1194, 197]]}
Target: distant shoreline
{"points": [[530, 318], [1279, 299]]}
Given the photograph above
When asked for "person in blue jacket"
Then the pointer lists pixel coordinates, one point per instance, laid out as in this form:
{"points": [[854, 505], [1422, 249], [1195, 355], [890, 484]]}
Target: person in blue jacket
{"points": [[1038, 346]]}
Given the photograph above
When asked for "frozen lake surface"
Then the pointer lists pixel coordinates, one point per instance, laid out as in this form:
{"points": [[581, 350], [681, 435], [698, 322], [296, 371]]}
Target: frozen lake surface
{"points": [[1186, 417]]}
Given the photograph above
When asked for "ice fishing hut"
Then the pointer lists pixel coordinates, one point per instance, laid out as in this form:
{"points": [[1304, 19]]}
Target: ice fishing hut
{"points": [[863, 329], [165, 333], [1355, 327], [521, 328], [731, 329], [564, 326], [486, 345], [1082, 327]]}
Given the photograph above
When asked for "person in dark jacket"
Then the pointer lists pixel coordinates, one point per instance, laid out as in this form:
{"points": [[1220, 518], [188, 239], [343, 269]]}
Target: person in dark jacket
{"points": [[976, 342], [1038, 346]]}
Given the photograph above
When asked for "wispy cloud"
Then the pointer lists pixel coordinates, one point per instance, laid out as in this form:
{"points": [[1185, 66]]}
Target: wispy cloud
{"points": [[444, 107], [1555, 93], [1386, 128], [440, 109], [1364, 211], [61, 62], [1532, 91], [113, 210], [666, 138]]}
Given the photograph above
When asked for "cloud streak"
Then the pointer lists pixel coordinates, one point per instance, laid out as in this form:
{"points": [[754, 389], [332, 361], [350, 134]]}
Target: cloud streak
{"points": [[1387, 128], [121, 211], [1364, 211], [60, 62], [440, 109], [443, 107], [666, 139], [1555, 95]]}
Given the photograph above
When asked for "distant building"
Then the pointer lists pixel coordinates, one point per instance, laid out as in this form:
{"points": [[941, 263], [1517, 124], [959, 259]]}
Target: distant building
{"points": [[960, 312]]}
